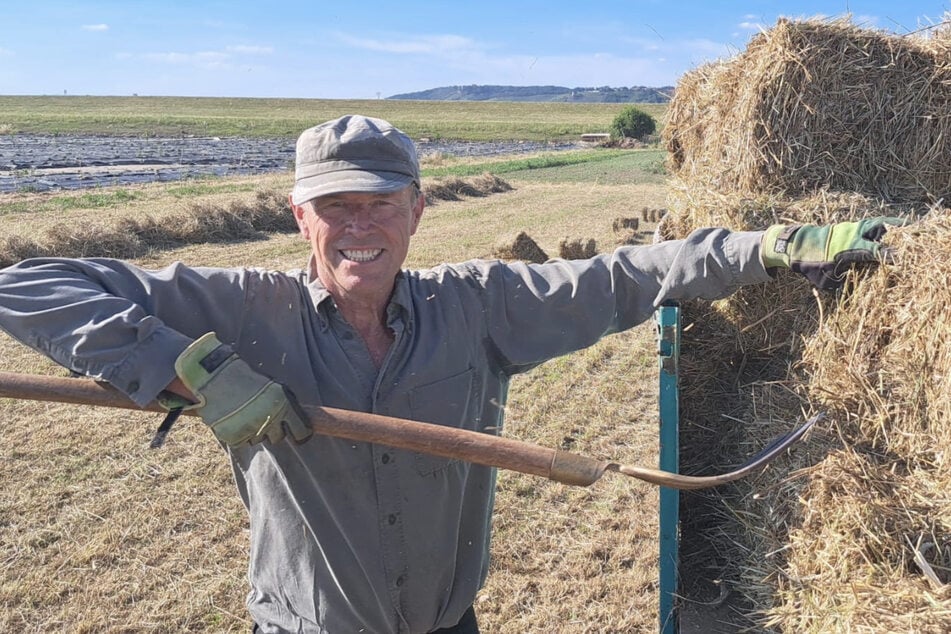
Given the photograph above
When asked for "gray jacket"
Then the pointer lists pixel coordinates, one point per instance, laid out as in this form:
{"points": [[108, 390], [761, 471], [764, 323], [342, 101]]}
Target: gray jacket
{"points": [[351, 537]]}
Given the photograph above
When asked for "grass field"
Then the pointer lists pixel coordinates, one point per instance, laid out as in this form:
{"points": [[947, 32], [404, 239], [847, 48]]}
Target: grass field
{"points": [[164, 116], [100, 534]]}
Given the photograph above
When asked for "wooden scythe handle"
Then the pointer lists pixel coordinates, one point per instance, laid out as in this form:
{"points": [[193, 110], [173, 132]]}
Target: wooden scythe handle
{"points": [[438, 440]]}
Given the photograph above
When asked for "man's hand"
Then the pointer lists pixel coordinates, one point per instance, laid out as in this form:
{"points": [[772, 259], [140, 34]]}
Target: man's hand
{"points": [[823, 254], [241, 406]]}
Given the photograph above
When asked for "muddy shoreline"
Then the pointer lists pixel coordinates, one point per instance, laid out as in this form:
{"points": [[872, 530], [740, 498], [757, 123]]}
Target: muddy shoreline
{"points": [[38, 163]]}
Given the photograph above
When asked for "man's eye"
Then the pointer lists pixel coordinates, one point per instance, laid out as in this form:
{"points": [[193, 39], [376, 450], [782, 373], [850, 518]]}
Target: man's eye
{"points": [[331, 207]]}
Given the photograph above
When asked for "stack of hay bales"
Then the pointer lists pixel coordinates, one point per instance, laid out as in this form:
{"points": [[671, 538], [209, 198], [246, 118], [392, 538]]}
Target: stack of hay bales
{"points": [[814, 104], [820, 122]]}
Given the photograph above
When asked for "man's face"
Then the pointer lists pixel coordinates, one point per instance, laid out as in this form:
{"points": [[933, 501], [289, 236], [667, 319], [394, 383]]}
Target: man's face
{"points": [[360, 240]]}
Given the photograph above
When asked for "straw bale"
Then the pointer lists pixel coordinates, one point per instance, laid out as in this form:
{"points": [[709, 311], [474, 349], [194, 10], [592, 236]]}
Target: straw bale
{"points": [[813, 104], [577, 249], [621, 223], [626, 231], [755, 363], [490, 184], [134, 236], [820, 122], [521, 247], [454, 189]]}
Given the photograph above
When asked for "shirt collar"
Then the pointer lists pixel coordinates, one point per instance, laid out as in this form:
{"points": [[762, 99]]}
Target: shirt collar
{"points": [[400, 301]]}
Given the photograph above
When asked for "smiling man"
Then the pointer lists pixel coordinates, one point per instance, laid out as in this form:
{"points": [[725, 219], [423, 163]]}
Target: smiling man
{"points": [[355, 537], [357, 201]]}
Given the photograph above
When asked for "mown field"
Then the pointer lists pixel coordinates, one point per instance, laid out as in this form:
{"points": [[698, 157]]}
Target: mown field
{"points": [[98, 533], [163, 116]]}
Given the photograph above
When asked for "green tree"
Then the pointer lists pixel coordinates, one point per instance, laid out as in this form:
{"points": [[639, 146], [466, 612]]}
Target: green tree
{"points": [[632, 123]]}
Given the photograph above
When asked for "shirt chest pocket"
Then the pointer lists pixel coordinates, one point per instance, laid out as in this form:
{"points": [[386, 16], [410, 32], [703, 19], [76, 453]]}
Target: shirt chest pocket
{"points": [[445, 402]]}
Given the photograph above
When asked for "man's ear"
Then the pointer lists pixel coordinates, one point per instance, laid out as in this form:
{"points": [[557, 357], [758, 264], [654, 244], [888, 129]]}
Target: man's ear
{"points": [[298, 212], [418, 211]]}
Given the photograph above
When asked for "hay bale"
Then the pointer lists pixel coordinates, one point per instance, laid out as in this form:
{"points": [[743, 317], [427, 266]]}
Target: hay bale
{"points": [[490, 184], [134, 236], [625, 231], [454, 189], [881, 366], [817, 104], [72, 241], [16, 248], [754, 363], [815, 123], [522, 247], [621, 223], [577, 249]]}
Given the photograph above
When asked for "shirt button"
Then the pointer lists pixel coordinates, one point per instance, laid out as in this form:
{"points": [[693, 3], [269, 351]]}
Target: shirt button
{"points": [[385, 459], [391, 519], [134, 386], [400, 580]]}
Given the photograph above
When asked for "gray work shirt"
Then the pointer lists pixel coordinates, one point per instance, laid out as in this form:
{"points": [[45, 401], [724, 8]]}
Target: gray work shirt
{"points": [[345, 536]]}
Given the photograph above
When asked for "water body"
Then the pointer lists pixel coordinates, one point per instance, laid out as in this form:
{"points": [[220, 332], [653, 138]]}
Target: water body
{"points": [[38, 163]]}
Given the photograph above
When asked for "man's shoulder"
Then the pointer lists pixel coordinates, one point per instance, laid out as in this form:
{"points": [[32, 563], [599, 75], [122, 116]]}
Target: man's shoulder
{"points": [[453, 273]]}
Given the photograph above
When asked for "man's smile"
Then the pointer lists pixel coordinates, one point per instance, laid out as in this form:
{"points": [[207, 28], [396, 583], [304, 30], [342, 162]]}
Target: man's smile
{"points": [[361, 255]]}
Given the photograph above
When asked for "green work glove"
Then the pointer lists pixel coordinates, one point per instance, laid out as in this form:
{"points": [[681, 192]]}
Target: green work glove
{"points": [[241, 406], [823, 254]]}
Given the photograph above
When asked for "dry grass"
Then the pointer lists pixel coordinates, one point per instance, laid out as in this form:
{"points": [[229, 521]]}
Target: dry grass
{"points": [[100, 534]]}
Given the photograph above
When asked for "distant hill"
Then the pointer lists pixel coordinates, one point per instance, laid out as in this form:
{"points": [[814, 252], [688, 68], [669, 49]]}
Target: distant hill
{"points": [[602, 94]]}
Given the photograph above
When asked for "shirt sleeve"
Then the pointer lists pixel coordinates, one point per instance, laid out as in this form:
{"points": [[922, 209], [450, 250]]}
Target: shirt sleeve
{"points": [[539, 311], [115, 322]]}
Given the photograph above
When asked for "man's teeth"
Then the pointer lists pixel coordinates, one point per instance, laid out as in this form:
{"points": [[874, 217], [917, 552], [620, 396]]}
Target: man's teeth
{"points": [[361, 255]]}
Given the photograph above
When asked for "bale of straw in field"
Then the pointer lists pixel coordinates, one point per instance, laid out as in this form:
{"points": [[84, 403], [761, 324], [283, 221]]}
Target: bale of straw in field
{"points": [[621, 223], [134, 236], [812, 104], [577, 248], [852, 532], [490, 184], [878, 512], [522, 247], [452, 189], [625, 230], [815, 123]]}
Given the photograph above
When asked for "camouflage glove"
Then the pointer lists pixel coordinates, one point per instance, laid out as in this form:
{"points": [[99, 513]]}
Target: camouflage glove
{"points": [[241, 406], [824, 254]]}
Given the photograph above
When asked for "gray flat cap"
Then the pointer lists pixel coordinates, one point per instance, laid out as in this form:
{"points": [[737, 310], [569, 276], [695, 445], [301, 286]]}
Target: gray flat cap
{"points": [[353, 154]]}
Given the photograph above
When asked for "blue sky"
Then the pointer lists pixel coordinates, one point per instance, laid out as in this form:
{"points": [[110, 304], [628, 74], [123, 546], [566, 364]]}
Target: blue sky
{"points": [[368, 49]]}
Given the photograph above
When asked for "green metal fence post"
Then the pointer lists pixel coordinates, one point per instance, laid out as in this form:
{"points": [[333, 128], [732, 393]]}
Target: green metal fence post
{"points": [[668, 323]]}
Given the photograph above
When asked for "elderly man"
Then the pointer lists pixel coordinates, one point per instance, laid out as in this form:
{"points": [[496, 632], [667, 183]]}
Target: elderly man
{"points": [[350, 537]]}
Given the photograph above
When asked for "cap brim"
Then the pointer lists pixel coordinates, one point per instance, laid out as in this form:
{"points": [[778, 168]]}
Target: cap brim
{"points": [[348, 181]]}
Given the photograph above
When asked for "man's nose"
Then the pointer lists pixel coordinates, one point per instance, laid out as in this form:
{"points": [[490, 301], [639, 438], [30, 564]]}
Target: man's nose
{"points": [[360, 218]]}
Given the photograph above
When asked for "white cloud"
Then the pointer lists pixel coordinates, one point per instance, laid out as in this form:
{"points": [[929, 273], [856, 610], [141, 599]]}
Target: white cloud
{"points": [[5, 52], [95, 27], [751, 26], [207, 60], [250, 50], [426, 44]]}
